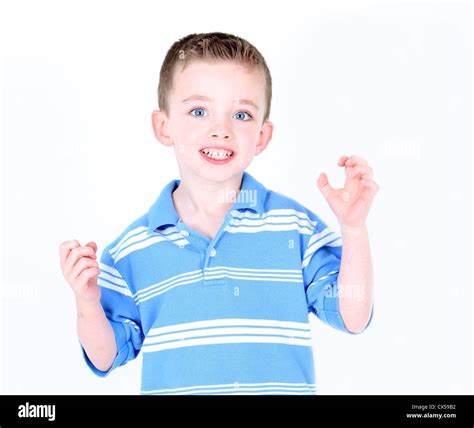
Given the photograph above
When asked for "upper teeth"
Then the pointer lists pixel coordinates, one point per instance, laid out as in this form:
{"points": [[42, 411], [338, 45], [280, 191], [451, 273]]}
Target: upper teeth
{"points": [[217, 153]]}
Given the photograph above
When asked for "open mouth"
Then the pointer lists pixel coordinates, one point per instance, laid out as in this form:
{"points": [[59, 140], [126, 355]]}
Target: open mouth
{"points": [[217, 156]]}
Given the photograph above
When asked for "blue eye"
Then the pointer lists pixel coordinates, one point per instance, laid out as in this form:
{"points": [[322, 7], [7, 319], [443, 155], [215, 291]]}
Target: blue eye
{"points": [[198, 109], [243, 113]]}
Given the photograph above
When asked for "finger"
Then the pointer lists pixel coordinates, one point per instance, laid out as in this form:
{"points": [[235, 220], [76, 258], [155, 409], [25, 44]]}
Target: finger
{"points": [[359, 170], [356, 160], [75, 255], [342, 160], [83, 279], [65, 249], [83, 264], [323, 184], [371, 185]]}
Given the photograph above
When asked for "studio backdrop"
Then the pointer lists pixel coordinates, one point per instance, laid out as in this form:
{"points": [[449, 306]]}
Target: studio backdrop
{"points": [[388, 81]]}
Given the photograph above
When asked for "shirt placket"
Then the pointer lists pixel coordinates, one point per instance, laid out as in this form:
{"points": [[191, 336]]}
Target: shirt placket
{"points": [[211, 256]]}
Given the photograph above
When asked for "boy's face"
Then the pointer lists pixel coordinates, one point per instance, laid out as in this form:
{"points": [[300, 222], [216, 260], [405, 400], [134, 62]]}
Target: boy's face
{"points": [[227, 116]]}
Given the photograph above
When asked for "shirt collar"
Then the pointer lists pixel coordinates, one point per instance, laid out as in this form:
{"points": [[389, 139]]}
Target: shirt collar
{"points": [[251, 196]]}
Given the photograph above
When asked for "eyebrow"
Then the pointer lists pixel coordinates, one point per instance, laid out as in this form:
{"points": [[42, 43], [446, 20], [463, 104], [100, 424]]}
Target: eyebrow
{"points": [[204, 98]]}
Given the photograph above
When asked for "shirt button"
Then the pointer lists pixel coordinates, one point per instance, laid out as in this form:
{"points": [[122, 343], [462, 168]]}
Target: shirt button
{"points": [[184, 233], [213, 252]]}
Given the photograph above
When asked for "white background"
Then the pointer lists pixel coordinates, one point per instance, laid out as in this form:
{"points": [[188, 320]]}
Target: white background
{"points": [[389, 81]]}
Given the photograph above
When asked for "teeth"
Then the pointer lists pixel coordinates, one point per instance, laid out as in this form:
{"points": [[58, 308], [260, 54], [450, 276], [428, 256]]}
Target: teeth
{"points": [[217, 153]]}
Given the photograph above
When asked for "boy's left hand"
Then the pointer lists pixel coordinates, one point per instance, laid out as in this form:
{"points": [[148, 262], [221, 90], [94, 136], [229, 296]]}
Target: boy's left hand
{"points": [[351, 204]]}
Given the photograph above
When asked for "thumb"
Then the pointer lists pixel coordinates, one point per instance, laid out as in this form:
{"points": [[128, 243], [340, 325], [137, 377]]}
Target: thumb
{"points": [[92, 245], [323, 184]]}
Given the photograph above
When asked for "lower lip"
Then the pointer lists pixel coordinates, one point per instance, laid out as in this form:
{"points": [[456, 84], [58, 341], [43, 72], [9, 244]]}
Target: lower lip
{"points": [[217, 161]]}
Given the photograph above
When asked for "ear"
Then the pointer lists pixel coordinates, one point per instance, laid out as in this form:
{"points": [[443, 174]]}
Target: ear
{"points": [[159, 122], [264, 137]]}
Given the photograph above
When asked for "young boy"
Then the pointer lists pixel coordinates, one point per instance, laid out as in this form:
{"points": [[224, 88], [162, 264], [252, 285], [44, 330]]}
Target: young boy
{"points": [[214, 284]]}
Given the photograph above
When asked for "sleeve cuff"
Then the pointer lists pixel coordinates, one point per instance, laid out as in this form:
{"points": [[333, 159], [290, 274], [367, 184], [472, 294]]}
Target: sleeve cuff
{"points": [[329, 312], [121, 357]]}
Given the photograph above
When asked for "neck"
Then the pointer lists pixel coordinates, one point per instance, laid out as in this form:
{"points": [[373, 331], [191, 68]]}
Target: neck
{"points": [[207, 198]]}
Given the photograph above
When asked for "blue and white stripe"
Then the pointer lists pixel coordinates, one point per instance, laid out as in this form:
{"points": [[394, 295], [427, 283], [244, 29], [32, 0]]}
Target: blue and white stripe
{"points": [[225, 331], [241, 274], [237, 388], [317, 241], [276, 220], [110, 278], [227, 315], [139, 238]]}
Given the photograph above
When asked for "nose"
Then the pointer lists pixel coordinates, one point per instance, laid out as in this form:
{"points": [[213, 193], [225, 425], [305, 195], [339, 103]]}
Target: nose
{"points": [[220, 133], [221, 130]]}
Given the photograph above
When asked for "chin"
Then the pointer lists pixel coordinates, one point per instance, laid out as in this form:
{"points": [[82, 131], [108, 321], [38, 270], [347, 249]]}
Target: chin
{"points": [[220, 176], [216, 173]]}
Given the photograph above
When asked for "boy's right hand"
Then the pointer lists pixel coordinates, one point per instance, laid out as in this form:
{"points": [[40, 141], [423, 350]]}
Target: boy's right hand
{"points": [[80, 268]]}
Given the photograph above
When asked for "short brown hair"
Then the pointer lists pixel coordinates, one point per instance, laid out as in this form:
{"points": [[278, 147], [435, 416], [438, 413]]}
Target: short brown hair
{"points": [[212, 47]]}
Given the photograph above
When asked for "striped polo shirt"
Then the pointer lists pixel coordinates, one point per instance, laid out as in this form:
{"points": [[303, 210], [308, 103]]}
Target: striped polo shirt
{"points": [[228, 315]]}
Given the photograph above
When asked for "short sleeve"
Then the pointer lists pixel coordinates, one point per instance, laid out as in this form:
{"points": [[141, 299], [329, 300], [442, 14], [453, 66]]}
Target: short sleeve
{"points": [[321, 262], [122, 312]]}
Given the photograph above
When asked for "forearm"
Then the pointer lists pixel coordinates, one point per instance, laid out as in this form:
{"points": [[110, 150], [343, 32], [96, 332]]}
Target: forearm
{"points": [[96, 335], [355, 279]]}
